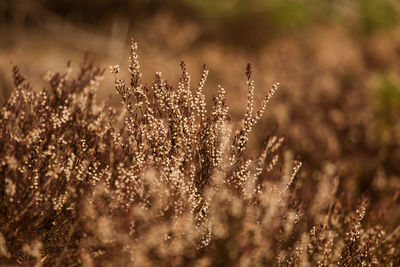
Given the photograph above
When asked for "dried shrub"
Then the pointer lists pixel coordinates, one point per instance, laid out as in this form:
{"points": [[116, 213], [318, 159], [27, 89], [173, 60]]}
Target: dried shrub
{"points": [[163, 181]]}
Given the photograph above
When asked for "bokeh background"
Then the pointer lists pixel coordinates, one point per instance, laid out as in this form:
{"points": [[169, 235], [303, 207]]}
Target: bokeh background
{"points": [[338, 63]]}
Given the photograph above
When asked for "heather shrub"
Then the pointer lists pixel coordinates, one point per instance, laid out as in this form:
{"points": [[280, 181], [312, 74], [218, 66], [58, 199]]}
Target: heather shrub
{"points": [[162, 181]]}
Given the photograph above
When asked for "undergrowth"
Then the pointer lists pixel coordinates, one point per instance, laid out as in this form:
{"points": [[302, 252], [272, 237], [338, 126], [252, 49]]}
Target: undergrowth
{"points": [[162, 181]]}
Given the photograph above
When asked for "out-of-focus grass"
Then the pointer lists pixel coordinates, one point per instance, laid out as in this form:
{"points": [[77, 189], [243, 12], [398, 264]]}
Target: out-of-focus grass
{"points": [[366, 16], [377, 15], [386, 101], [281, 15]]}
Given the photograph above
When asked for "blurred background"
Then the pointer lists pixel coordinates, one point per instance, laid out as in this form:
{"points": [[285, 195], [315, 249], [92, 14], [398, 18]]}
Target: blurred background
{"points": [[338, 63]]}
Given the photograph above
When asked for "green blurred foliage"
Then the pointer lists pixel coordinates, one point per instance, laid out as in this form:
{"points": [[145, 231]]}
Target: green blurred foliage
{"points": [[386, 103], [371, 15], [377, 15], [221, 9], [288, 14]]}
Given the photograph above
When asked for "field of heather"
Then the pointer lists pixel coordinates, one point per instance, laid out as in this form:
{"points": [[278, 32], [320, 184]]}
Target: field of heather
{"points": [[200, 133]]}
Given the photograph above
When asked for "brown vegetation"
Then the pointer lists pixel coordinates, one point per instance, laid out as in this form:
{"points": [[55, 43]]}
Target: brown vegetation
{"points": [[164, 181]]}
